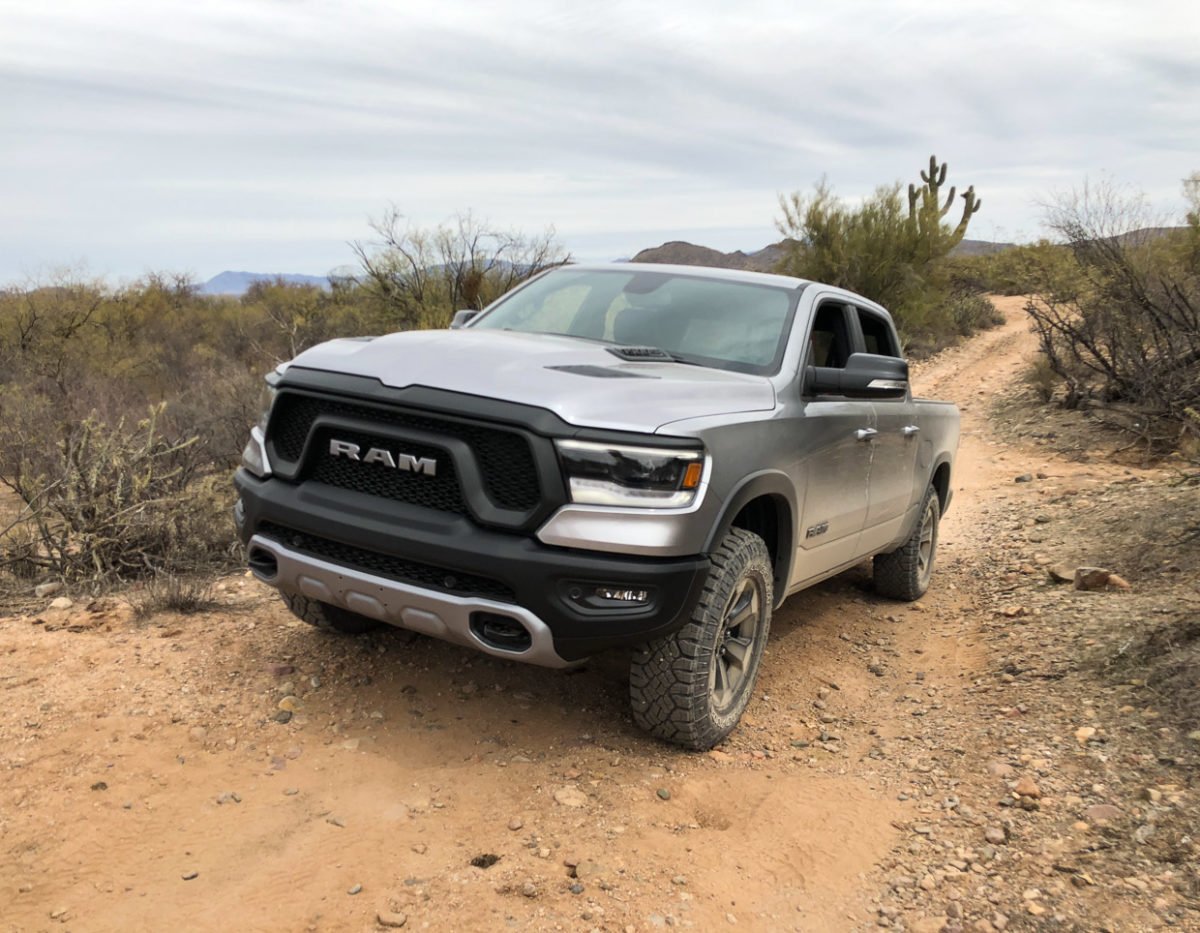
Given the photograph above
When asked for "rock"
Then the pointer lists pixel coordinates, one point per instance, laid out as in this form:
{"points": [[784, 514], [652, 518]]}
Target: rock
{"points": [[1083, 733], [928, 883], [391, 919], [420, 848], [529, 889], [983, 925], [190, 875], [42, 590], [283, 715], [62, 602], [1116, 582], [354, 889], [999, 769], [515, 823], [1024, 478], [679, 880], [954, 911], [291, 791], [663, 793], [1061, 573], [588, 870], [995, 835], [1027, 787], [1090, 579], [576, 888], [351, 745], [289, 703], [570, 797], [1102, 813], [280, 670], [198, 734]]}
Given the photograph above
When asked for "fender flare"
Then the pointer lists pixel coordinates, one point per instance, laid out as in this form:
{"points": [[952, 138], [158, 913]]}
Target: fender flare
{"points": [[779, 486]]}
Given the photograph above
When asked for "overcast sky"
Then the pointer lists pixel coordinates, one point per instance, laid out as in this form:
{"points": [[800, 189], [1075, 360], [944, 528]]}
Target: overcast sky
{"points": [[142, 135]]}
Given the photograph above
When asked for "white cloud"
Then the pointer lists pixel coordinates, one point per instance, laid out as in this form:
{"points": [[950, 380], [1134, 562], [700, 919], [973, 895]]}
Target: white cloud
{"points": [[205, 136]]}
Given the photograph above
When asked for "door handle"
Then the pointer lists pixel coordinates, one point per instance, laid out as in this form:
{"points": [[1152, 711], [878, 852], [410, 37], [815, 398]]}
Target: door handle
{"points": [[910, 430], [865, 434]]}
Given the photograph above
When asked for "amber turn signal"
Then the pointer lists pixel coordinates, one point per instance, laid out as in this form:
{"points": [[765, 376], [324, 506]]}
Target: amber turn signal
{"points": [[691, 478]]}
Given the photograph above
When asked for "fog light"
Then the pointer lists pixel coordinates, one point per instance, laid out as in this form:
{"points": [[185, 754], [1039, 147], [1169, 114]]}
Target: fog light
{"points": [[590, 596], [611, 594]]}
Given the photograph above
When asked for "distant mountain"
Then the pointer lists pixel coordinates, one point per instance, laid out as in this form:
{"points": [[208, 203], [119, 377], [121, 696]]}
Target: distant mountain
{"points": [[237, 283], [677, 252], [979, 248], [767, 259]]}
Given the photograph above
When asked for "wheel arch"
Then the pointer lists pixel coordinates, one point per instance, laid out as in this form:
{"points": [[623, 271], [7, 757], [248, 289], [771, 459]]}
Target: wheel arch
{"points": [[764, 503], [940, 480]]}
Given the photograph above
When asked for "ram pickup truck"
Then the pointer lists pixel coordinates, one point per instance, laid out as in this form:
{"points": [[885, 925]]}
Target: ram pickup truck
{"points": [[625, 455]]}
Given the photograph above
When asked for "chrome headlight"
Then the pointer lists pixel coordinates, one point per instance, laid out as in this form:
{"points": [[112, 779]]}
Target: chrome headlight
{"points": [[265, 401], [642, 477]]}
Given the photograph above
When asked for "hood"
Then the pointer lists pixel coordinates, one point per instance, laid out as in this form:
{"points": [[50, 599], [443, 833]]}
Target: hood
{"points": [[578, 380]]}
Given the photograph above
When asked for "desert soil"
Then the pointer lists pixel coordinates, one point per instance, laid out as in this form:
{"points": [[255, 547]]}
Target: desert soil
{"points": [[950, 764]]}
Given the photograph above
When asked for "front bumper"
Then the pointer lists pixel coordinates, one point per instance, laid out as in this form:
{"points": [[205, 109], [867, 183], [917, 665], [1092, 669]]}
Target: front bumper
{"points": [[535, 585]]}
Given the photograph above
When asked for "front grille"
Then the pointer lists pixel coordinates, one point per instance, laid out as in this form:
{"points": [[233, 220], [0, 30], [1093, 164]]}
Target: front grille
{"points": [[389, 566], [509, 474], [440, 491]]}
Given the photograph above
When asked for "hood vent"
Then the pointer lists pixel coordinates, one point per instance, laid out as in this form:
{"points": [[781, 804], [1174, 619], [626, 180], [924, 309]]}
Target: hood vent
{"points": [[641, 354]]}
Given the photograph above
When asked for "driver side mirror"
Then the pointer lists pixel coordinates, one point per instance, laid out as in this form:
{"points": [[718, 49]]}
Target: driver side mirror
{"points": [[866, 375], [462, 318]]}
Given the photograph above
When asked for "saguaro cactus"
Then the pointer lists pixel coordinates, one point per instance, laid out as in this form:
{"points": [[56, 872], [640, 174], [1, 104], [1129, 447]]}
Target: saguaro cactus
{"points": [[926, 208]]}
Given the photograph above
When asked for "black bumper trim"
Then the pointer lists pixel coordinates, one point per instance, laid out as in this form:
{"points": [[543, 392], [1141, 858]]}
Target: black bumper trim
{"points": [[536, 573]]}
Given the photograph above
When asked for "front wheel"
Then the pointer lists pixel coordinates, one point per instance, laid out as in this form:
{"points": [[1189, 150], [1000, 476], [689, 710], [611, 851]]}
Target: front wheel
{"points": [[325, 616], [691, 687], [905, 572]]}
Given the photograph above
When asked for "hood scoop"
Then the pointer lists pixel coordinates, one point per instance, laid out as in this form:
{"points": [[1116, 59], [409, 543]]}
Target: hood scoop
{"points": [[600, 372], [641, 354]]}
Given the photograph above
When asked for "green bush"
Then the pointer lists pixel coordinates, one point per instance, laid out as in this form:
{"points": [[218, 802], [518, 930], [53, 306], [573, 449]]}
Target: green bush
{"points": [[891, 249]]}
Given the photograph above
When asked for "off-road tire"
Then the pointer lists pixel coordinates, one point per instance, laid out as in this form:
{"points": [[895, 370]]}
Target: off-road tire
{"points": [[326, 617], [691, 687], [905, 572]]}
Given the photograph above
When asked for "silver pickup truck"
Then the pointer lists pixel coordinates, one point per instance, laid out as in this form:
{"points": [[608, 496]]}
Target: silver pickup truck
{"points": [[616, 455]]}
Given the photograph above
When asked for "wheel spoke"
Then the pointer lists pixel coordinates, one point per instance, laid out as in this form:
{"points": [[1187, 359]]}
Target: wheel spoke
{"points": [[743, 609], [721, 686], [737, 650]]}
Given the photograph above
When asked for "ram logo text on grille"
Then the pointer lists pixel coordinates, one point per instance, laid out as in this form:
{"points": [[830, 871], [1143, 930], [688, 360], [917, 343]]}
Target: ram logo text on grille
{"points": [[398, 461]]}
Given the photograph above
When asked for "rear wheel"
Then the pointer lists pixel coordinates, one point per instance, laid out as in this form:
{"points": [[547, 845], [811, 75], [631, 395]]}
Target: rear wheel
{"points": [[328, 617], [905, 572], [692, 686]]}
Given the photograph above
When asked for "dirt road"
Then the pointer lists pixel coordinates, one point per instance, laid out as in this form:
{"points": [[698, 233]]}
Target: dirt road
{"points": [[148, 784]]}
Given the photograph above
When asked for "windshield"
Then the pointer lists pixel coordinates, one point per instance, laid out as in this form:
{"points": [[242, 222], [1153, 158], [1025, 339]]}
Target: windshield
{"points": [[728, 325]]}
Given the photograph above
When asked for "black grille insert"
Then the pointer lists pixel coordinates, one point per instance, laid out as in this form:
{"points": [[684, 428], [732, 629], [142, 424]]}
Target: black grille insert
{"points": [[440, 491], [509, 473], [387, 565]]}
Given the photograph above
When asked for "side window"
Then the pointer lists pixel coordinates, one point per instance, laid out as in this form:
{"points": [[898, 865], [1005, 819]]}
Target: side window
{"points": [[829, 344], [878, 336]]}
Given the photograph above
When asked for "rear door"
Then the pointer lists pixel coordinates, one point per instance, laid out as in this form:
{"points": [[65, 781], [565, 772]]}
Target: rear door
{"points": [[893, 481], [834, 436]]}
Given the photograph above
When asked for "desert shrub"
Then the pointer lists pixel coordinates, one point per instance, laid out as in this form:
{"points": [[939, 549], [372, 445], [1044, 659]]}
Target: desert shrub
{"points": [[111, 501], [1121, 324], [172, 592], [891, 249], [417, 278], [1014, 270]]}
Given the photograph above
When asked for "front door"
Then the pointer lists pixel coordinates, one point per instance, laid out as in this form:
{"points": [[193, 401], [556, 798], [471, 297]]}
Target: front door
{"points": [[836, 436]]}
